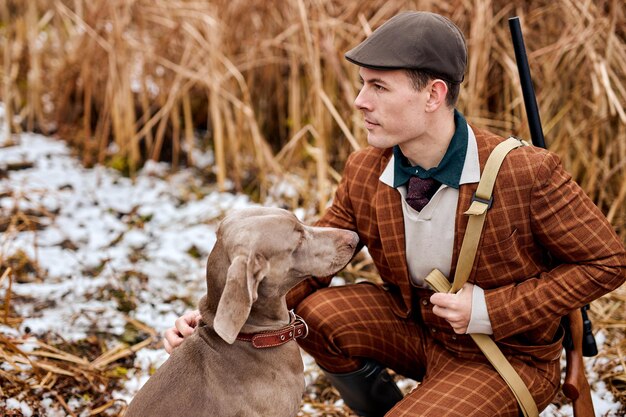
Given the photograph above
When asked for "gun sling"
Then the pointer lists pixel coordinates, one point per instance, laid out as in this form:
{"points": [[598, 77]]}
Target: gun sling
{"points": [[481, 202]]}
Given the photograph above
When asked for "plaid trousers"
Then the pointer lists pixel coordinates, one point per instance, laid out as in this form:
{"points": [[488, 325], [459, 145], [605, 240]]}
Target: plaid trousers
{"points": [[352, 323]]}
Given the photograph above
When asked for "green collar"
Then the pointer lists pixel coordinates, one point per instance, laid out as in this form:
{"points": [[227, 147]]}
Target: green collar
{"points": [[448, 171]]}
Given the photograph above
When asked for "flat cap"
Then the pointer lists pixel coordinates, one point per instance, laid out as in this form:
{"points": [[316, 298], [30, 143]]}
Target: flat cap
{"points": [[415, 40]]}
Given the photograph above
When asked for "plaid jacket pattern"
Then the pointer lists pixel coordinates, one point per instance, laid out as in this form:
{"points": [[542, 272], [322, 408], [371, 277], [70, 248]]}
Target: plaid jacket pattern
{"points": [[537, 209]]}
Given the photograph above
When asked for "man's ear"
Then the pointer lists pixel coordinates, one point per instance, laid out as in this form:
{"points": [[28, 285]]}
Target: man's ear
{"points": [[240, 292], [438, 91]]}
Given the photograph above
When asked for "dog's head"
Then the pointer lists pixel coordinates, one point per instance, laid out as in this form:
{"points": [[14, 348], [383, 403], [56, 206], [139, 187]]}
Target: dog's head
{"points": [[270, 251]]}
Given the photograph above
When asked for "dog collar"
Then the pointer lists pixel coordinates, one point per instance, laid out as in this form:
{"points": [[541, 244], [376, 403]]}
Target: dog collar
{"points": [[296, 329]]}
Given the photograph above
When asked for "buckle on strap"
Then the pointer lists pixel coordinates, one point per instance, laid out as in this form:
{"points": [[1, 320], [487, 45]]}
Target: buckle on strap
{"points": [[489, 202], [479, 206], [300, 321], [297, 324]]}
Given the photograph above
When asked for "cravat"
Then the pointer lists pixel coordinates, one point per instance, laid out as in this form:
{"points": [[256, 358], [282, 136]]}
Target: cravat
{"points": [[419, 191]]}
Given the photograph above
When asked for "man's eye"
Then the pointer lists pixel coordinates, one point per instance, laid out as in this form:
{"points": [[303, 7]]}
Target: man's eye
{"points": [[379, 87]]}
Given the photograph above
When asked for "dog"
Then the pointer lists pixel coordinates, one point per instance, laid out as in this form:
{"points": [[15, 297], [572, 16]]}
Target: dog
{"points": [[242, 360]]}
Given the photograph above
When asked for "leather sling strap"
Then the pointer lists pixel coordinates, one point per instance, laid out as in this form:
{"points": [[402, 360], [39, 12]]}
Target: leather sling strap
{"points": [[494, 355], [481, 202]]}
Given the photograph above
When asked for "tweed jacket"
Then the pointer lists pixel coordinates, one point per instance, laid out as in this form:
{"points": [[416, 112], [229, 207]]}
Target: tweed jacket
{"points": [[537, 209]]}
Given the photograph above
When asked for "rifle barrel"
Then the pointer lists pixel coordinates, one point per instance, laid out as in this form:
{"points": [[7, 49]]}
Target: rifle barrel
{"points": [[528, 91]]}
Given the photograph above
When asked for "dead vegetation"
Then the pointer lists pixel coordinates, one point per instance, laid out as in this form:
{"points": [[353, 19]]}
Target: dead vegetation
{"points": [[263, 87]]}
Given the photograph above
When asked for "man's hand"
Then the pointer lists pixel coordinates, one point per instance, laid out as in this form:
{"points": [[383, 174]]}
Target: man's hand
{"points": [[456, 309], [184, 326]]}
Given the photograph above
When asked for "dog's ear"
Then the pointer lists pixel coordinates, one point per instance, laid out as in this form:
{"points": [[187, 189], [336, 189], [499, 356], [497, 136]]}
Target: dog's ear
{"points": [[240, 292]]}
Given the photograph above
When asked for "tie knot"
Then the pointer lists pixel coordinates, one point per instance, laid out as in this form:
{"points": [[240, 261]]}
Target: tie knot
{"points": [[420, 191]]}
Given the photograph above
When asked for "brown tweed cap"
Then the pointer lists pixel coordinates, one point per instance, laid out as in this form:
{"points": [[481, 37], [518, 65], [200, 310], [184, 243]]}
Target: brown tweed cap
{"points": [[415, 40]]}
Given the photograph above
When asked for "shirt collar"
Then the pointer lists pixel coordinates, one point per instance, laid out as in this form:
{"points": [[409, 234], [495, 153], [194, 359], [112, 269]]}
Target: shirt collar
{"points": [[448, 171], [471, 167]]}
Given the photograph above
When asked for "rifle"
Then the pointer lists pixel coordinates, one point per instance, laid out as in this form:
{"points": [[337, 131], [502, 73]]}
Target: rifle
{"points": [[579, 340]]}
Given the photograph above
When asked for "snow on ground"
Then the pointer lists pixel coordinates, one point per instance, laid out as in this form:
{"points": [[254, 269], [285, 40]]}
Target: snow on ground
{"points": [[107, 240]]}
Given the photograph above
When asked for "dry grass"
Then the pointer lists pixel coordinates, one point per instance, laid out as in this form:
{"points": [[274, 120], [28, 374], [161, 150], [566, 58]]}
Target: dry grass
{"points": [[609, 314], [60, 370], [264, 87]]}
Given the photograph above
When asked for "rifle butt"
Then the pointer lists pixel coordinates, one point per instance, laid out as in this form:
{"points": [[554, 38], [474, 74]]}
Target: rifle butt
{"points": [[576, 387]]}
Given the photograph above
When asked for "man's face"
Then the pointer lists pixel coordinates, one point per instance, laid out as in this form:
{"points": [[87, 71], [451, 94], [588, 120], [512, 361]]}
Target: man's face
{"points": [[393, 109]]}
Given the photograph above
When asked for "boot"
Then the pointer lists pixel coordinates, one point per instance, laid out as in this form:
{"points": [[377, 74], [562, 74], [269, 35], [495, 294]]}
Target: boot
{"points": [[369, 391]]}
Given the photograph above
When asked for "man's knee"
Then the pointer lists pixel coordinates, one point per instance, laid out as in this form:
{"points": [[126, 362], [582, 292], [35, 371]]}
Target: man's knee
{"points": [[308, 311], [323, 313], [313, 312]]}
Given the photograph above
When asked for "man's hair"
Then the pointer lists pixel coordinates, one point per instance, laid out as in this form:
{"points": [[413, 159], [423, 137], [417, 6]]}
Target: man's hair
{"points": [[420, 78]]}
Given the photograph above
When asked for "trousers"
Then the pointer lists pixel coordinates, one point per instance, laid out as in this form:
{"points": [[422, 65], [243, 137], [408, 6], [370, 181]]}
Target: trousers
{"points": [[353, 323]]}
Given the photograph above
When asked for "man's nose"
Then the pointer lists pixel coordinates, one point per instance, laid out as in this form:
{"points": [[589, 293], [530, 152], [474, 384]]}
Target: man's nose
{"points": [[361, 102]]}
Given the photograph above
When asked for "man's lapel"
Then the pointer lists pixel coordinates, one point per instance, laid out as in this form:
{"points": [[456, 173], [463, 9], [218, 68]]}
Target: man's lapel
{"points": [[390, 221]]}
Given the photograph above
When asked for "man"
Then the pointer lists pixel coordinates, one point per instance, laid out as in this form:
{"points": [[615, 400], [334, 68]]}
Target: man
{"points": [[405, 196]]}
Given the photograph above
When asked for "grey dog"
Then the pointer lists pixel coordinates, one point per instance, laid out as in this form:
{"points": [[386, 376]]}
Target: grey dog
{"points": [[241, 360]]}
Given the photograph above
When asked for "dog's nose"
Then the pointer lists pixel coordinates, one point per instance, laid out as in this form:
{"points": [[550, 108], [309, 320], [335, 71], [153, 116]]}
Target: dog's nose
{"points": [[350, 238]]}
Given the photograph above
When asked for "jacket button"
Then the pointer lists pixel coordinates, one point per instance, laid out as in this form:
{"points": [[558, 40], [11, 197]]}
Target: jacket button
{"points": [[425, 302], [453, 337]]}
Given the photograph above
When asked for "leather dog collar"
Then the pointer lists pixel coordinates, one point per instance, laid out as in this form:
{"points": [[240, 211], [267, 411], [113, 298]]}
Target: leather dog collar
{"points": [[295, 329]]}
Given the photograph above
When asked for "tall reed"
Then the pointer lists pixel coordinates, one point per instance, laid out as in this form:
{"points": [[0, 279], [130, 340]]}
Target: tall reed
{"points": [[265, 88]]}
